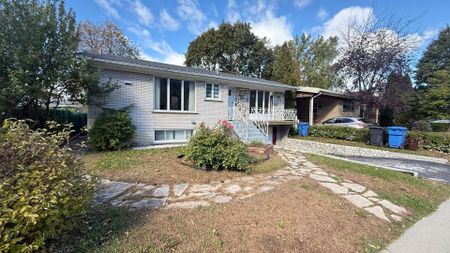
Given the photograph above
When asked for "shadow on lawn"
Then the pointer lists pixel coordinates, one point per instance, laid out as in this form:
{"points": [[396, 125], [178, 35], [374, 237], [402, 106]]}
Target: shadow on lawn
{"points": [[100, 226]]}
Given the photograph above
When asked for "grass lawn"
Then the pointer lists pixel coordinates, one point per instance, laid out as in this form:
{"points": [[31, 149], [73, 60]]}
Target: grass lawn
{"points": [[161, 166], [364, 145], [300, 216]]}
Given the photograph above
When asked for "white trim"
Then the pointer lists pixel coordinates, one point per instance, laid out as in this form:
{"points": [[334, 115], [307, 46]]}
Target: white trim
{"points": [[212, 98]]}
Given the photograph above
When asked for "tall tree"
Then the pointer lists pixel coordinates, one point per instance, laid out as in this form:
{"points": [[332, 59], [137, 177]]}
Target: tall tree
{"points": [[370, 52], [233, 48], [305, 61], [106, 38], [435, 58], [38, 59], [435, 97], [398, 97]]}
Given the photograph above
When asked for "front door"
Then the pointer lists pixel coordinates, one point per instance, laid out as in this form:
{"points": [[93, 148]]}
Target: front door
{"points": [[274, 136]]}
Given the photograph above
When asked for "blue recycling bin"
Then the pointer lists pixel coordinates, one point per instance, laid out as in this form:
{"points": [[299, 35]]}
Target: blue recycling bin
{"points": [[396, 136], [303, 129]]}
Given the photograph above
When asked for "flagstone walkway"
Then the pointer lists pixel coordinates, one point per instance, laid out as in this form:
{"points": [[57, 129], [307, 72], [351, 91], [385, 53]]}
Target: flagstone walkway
{"points": [[135, 195]]}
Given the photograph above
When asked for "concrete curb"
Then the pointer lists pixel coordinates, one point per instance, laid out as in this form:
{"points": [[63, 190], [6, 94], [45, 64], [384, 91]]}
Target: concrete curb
{"points": [[412, 173]]}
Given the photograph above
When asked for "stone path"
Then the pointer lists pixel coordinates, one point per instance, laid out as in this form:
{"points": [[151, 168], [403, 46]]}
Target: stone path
{"points": [[195, 195], [353, 192], [424, 166]]}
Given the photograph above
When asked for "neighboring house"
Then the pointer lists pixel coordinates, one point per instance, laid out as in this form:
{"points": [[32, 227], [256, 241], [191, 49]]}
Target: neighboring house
{"points": [[169, 101], [315, 105]]}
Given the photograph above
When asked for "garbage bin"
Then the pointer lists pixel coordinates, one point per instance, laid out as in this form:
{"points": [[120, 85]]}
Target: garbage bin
{"points": [[303, 129], [397, 136], [376, 135]]}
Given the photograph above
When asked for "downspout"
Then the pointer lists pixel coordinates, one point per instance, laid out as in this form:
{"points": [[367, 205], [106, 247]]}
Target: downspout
{"points": [[311, 108]]}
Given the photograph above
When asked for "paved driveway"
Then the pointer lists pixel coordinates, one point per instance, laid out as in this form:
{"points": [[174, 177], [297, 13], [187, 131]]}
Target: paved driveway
{"points": [[424, 166]]}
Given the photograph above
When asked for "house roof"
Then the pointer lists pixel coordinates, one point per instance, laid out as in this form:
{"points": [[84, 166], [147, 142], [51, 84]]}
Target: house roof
{"points": [[314, 90], [193, 71]]}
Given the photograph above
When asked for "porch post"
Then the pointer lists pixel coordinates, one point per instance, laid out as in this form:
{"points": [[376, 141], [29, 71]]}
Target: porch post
{"points": [[311, 111]]}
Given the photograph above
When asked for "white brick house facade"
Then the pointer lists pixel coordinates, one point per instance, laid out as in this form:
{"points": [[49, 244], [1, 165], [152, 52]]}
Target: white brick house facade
{"points": [[136, 88]]}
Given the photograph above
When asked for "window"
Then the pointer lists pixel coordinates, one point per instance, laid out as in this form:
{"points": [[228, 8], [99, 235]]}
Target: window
{"points": [[260, 101], [178, 135], [348, 106], [174, 95], [212, 91]]}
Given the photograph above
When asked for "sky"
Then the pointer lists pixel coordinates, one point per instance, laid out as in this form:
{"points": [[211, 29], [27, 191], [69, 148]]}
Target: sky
{"points": [[162, 29]]}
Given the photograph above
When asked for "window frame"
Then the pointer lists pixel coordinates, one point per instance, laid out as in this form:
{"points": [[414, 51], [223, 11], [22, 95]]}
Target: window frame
{"points": [[219, 97], [168, 96], [165, 130], [348, 105]]}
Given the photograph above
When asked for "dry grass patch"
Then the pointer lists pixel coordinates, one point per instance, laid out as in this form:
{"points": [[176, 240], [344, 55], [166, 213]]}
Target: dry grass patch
{"points": [[296, 217], [161, 166]]}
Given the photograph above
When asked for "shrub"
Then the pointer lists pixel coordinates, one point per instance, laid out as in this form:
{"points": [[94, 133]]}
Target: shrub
{"points": [[432, 140], [215, 149], [342, 133], [112, 130], [440, 127], [421, 126], [42, 186]]}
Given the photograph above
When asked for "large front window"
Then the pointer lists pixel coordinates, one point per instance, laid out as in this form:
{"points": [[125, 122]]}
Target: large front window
{"points": [[174, 95], [260, 101]]}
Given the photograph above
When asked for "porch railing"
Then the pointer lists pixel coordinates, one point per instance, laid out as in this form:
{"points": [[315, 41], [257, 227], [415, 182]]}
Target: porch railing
{"points": [[275, 114]]}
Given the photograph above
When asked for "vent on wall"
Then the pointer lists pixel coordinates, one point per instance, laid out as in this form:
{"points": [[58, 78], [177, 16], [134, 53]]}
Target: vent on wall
{"points": [[127, 83]]}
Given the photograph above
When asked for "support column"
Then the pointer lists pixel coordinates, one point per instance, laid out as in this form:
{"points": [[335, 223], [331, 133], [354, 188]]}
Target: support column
{"points": [[311, 111]]}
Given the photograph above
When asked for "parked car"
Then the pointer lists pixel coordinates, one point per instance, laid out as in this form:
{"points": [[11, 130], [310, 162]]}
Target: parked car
{"points": [[348, 122]]}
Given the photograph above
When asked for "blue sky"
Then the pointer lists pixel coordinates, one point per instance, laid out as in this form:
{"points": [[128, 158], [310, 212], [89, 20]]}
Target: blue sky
{"points": [[163, 28]]}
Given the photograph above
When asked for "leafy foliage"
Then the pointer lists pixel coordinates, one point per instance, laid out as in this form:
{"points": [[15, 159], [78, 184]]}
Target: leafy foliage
{"points": [[397, 97], [437, 141], [421, 126], [435, 58], [42, 186], [440, 127], [234, 47], [435, 97], [106, 38], [39, 66], [112, 130], [341, 133], [215, 149]]}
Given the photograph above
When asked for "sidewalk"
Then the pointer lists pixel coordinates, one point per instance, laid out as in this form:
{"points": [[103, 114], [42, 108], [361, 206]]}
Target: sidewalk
{"points": [[429, 235]]}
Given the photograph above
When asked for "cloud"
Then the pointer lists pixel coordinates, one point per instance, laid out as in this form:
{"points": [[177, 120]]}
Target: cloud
{"points": [[166, 52], [302, 3], [168, 22], [232, 12], [341, 20], [322, 13], [276, 29], [144, 14], [107, 6], [189, 11]]}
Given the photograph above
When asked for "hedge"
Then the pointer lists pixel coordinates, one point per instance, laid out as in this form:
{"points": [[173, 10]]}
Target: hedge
{"points": [[437, 141], [440, 127], [341, 133]]}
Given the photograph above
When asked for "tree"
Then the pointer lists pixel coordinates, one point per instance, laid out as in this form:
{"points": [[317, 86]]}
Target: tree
{"points": [[305, 61], [232, 48], [435, 58], [286, 67], [38, 60], [435, 97], [370, 52], [398, 97], [106, 38]]}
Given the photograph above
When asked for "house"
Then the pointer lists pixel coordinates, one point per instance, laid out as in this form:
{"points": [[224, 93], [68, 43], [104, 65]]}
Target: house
{"points": [[315, 105], [168, 101]]}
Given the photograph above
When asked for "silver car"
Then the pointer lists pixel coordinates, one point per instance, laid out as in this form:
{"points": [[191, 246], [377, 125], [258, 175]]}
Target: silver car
{"points": [[347, 122]]}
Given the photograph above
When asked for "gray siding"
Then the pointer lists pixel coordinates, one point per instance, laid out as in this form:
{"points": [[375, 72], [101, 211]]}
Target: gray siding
{"points": [[141, 96]]}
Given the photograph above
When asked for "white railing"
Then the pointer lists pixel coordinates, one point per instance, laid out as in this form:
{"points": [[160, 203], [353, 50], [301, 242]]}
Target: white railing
{"points": [[241, 122], [230, 115], [275, 114]]}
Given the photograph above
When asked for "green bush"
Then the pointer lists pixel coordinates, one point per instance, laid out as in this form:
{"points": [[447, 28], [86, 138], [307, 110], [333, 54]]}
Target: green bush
{"points": [[215, 149], [432, 140], [440, 127], [42, 186], [341, 133], [112, 130], [421, 126]]}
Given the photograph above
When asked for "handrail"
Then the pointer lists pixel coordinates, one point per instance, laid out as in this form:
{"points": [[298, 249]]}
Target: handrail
{"points": [[241, 122]]}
